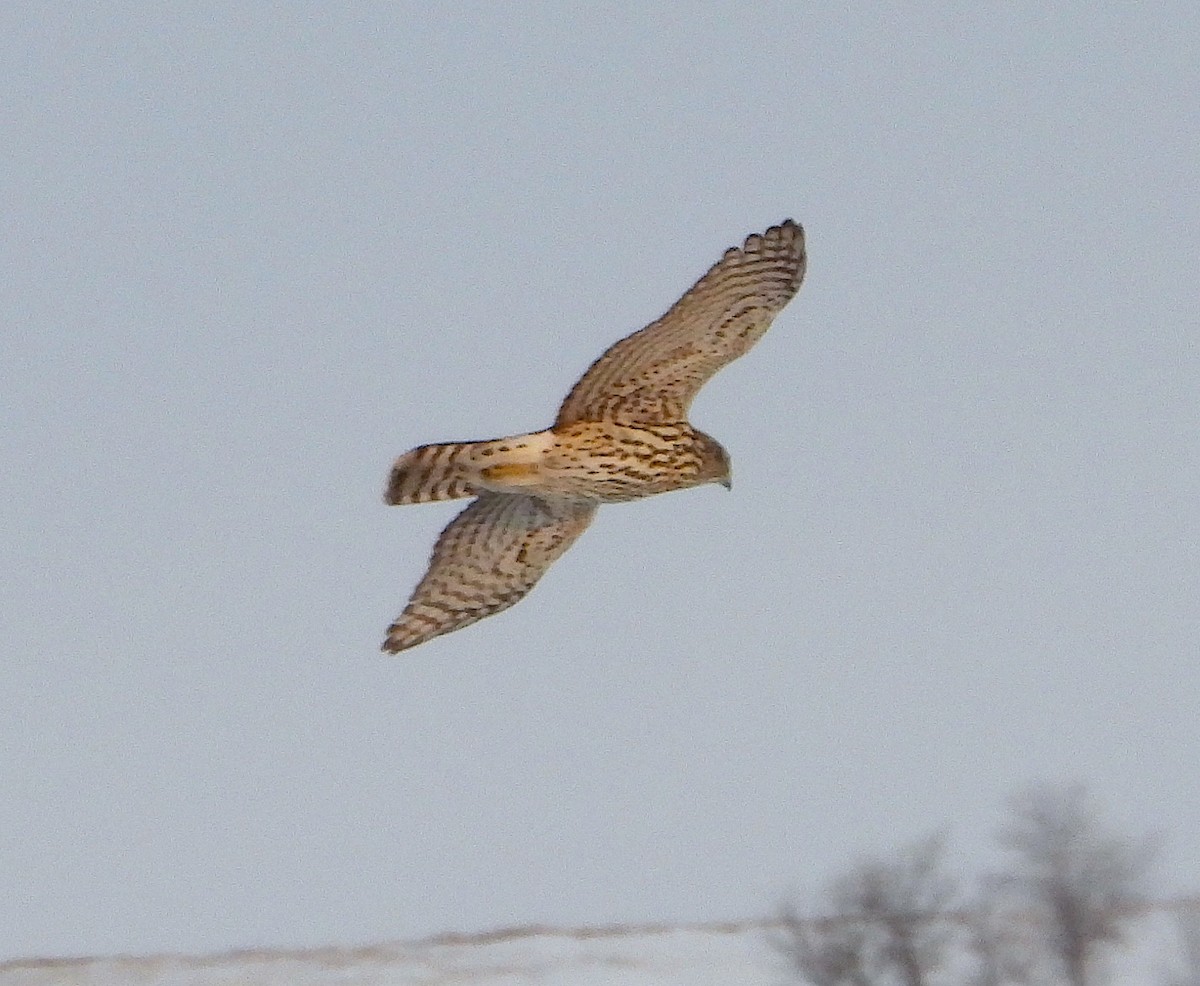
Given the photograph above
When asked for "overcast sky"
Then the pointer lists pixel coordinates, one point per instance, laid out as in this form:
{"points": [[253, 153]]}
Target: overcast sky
{"points": [[253, 252]]}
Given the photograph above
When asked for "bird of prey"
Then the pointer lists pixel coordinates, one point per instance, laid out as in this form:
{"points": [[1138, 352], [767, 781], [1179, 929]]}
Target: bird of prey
{"points": [[621, 434]]}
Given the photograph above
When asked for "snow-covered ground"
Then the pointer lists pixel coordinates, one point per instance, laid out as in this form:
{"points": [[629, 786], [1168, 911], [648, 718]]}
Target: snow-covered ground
{"points": [[1163, 950]]}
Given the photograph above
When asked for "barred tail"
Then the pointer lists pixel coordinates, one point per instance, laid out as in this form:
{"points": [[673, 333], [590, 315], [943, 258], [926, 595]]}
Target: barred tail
{"points": [[431, 472]]}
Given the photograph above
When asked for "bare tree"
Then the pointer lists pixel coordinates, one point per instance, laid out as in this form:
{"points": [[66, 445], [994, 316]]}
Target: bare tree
{"points": [[825, 951], [998, 940], [888, 923], [1081, 882]]}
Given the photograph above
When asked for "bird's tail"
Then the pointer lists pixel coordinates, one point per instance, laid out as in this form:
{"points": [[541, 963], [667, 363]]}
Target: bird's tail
{"points": [[458, 469], [432, 472]]}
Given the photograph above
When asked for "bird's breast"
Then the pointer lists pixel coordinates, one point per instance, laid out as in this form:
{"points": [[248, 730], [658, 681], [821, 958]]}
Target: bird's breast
{"points": [[611, 462]]}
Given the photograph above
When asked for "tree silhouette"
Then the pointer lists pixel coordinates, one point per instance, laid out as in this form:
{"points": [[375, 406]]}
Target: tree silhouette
{"points": [[888, 923], [1082, 883]]}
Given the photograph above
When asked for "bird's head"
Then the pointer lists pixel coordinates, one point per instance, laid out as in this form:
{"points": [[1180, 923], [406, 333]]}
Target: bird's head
{"points": [[715, 466]]}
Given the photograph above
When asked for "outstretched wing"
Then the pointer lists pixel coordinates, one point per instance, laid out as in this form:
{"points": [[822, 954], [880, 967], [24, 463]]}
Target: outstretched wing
{"points": [[485, 560], [653, 375]]}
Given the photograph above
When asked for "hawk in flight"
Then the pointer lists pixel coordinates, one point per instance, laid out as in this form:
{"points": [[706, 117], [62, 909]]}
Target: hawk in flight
{"points": [[621, 434]]}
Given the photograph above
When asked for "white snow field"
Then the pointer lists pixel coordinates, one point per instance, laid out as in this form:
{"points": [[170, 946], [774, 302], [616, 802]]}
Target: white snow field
{"points": [[1163, 950]]}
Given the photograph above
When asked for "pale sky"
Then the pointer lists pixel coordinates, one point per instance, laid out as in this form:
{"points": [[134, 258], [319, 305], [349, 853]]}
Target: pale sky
{"points": [[255, 251]]}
